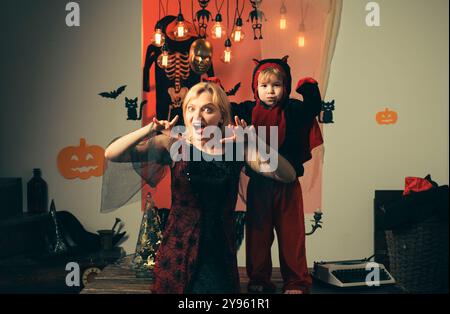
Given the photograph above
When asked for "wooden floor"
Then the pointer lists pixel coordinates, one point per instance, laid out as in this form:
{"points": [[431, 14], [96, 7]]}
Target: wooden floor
{"points": [[119, 278]]}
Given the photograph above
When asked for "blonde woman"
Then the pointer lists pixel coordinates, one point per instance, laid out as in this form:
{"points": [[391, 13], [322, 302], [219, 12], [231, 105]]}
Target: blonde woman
{"points": [[198, 254]]}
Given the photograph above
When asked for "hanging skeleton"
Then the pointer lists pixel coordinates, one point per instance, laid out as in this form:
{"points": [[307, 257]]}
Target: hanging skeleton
{"points": [[172, 82], [202, 17], [256, 16], [177, 70]]}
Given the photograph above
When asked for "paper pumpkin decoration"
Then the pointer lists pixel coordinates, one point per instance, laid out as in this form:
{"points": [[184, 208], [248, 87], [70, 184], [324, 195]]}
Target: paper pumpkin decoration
{"points": [[81, 161], [387, 117]]}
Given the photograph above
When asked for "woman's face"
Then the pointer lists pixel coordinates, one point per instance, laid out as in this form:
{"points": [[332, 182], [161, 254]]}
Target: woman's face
{"points": [[200, 113]]}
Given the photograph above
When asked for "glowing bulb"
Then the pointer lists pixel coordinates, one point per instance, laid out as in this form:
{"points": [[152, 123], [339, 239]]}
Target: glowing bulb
{"points": [[283, 22], [301, 36], [238, 34], [181, 30], [217, 31], [158, 38], [227, 56], [283, 16], [163, 59], [301, 40]]}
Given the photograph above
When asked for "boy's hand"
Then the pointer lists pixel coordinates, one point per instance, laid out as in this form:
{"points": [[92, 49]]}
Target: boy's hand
{"points": [[303, 84]]}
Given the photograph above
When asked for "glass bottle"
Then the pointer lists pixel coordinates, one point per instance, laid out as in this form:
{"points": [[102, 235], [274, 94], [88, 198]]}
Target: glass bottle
{"points": [[37, 193]]}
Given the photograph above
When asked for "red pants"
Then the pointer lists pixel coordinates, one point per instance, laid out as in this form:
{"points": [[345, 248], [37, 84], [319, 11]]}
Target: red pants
{"points": [[270, 205]]}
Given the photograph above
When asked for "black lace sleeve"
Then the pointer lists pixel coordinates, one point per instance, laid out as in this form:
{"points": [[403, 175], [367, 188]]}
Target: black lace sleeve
{"points": [[123, 180]]}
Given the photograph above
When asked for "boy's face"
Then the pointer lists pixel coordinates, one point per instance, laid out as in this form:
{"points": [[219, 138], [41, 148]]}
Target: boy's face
{"points": [[270, 90]]}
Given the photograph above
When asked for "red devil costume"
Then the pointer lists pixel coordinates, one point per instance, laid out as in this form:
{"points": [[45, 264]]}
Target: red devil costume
{"points": [[272, 204]]}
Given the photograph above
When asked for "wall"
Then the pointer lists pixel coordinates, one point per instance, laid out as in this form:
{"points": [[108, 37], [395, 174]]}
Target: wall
{"points": [[51, 75]]}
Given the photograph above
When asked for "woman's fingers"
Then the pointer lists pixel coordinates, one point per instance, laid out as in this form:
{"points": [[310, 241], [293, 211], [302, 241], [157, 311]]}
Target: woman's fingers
{"points": [[174, 121], [228, 139], [236, 120]]}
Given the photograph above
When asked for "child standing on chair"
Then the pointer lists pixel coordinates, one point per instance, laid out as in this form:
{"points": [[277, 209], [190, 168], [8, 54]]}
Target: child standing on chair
{"points": [[270, 204]]}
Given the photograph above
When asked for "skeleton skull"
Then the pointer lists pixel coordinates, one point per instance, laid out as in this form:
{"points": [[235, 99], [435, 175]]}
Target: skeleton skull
{"points": [[200, 56]]}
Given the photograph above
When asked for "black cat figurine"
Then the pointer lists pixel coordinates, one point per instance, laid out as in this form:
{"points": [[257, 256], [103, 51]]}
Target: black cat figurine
{"points": [[327, 112], [131, 105]]}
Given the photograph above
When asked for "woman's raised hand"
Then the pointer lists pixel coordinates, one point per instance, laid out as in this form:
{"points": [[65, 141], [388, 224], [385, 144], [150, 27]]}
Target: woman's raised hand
{"points": [[237, 130], [164, 126]]}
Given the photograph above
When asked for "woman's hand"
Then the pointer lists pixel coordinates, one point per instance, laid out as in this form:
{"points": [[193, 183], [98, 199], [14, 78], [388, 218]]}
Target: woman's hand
{"points": [[238, 136], [164, 126]]}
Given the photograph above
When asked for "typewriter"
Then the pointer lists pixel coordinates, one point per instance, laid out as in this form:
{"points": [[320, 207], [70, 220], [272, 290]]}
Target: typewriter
{"points": [[352, 273]]}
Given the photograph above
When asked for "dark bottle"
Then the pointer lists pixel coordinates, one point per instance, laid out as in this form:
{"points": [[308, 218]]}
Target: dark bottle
{"points": [[37, 193]]}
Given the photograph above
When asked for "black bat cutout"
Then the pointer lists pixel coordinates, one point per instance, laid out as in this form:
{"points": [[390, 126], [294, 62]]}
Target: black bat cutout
{"points": [[234, 90], [114, 93]]}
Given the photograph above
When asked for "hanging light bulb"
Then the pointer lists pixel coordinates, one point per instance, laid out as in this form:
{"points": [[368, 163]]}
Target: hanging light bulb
{"points": [[180, 29], [227, 56], [163, 59], [217, 31], [238, 34], [158, 37], [301, 36], [283, 16]]}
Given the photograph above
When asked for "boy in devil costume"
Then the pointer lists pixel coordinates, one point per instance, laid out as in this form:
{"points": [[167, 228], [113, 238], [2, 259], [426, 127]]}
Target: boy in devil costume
{"points": [[271, 204]]}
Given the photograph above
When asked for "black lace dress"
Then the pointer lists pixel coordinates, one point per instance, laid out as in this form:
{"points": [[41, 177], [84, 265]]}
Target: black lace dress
{"points": [[198, 243]]}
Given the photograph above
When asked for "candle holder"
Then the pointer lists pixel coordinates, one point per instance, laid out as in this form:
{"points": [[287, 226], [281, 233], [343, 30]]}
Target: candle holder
{"points": [[317, 222]]}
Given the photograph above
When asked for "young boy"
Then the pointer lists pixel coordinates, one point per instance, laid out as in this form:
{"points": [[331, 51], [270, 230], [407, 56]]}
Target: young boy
{"points": [[271, 204]]}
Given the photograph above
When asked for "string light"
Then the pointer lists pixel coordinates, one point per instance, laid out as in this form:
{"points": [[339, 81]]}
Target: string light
{"points": [[238, 34], [227, 55], [301, 39], [158, 37], [301, 36], [180, 29], [283, 16], [163, 59], [217, 31]]}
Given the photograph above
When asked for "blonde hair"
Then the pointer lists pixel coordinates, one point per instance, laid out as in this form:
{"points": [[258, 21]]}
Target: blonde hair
{"points": [[219, 99], [267, 73]]}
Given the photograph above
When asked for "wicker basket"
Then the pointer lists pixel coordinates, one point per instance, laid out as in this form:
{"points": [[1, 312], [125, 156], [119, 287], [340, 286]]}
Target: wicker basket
{"points": [[418, 256]]}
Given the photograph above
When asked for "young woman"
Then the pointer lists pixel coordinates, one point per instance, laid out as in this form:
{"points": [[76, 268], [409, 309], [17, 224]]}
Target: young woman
{"points": [[197, 253]]}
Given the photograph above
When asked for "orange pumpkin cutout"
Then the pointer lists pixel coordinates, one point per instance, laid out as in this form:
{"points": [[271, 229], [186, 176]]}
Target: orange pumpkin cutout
{"points": [[81, 161], [387, 117]]}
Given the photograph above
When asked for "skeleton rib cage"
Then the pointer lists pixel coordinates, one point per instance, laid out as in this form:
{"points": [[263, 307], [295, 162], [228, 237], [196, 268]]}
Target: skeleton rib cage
{"points": [[178, 69]]}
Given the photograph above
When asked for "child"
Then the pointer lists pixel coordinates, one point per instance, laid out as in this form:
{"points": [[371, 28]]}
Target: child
{"points": [[273, 204]]}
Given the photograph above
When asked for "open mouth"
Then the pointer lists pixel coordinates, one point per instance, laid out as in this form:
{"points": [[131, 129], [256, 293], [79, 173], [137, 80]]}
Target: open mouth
{"points": [[198, 127]]}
